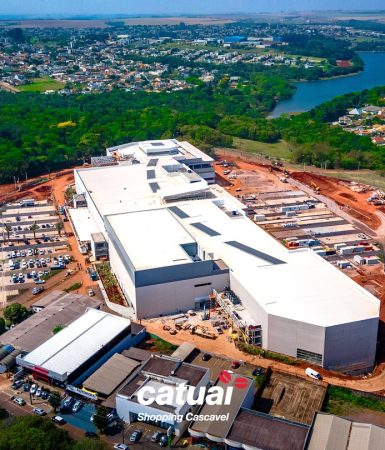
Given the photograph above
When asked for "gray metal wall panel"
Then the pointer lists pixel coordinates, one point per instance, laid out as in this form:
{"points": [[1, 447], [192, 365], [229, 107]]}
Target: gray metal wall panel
{"points": [[351, 346], [175, 273]]}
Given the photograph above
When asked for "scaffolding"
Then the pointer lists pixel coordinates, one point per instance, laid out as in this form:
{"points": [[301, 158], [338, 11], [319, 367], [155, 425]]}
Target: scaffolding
{"points": [[231, 305]]}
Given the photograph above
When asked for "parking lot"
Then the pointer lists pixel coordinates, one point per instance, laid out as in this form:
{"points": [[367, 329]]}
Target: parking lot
{"points": [[144, 442], [33, 247]]}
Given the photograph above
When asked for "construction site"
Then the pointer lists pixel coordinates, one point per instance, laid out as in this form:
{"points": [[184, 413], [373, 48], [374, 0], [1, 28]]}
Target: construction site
{"points": [[278, 195]]}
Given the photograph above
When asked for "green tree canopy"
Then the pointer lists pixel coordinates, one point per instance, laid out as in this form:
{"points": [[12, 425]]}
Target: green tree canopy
{"points": [[15, 313]]}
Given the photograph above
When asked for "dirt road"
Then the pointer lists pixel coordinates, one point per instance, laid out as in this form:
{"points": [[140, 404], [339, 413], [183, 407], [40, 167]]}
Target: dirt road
{"points": [[222, 347]]}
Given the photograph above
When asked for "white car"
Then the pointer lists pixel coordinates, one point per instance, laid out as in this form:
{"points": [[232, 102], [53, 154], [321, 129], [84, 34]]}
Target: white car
{"points": [[33, 388], [20, 401], [39, 391], [120, 446], [39, 411]]}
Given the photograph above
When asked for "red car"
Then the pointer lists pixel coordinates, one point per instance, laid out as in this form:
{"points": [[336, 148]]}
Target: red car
{"points": [[235, 365]]}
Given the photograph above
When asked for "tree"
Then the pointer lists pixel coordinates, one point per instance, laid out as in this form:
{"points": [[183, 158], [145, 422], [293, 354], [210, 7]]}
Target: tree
{"points": [[15, 313], [54, 400], [59, 227], [34, 228], [100, 419], [8, 229], [32, 432], [2, 325], [3, 413]]}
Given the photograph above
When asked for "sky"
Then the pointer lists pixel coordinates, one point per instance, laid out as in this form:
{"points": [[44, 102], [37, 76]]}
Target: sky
{"points": [[73, 7]]}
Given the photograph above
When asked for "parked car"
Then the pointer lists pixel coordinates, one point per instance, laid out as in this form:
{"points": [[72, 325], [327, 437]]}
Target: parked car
{"points": [[39, 411], [67, 403], [17, 384], [257, 372], [39, 391], [313, 374], [59, 420], [33, 389], [120, 446], [37, 290], [26, 387], [91, 292], [206, 357], [91, 434], [235, 365], [156, 436], [20, 401], [77, 406], [45, 394], [135, 436], [163, 441]]}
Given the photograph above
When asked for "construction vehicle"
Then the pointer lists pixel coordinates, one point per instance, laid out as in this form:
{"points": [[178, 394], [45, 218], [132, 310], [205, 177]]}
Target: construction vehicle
{"points": [[203, 332], [315, 187]]}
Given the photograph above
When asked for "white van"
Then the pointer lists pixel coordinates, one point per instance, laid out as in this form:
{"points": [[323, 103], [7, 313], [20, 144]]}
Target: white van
{"points": [[313, 373], [11, 264]]}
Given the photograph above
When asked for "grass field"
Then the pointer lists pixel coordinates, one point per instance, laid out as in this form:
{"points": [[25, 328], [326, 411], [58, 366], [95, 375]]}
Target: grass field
{"points": [[278, 150], [342, 401], [41, 85], [370, 177]]}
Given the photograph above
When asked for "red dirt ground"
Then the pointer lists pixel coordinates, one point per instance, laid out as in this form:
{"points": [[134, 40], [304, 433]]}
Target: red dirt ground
{"points": [[343, 196]]}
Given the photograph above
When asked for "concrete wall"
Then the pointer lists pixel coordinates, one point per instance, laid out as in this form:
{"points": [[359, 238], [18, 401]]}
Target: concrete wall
{"points": [[351, 347], [286, 335]]}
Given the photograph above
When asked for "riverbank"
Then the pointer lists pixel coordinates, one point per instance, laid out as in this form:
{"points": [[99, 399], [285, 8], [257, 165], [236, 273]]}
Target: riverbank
{"points": [[309, 94]]}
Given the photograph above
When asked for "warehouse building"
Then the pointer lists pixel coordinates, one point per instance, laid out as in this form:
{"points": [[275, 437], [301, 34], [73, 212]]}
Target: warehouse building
{"points": [[58, 308], [173, 240], [332, 432], [80, 348], [110, 376]]}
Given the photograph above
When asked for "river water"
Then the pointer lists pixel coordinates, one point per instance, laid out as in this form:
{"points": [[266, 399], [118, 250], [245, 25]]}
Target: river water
{"points": [[312, 93]]}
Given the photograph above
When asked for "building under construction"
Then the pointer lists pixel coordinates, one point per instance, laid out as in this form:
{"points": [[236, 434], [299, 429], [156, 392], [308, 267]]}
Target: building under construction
{"points": [[174, 239]]}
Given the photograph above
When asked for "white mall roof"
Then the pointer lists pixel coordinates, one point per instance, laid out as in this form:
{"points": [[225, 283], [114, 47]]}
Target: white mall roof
{"points": [[78, 342], [297, 284], [154, 238], [126, 187], [167, 148]]}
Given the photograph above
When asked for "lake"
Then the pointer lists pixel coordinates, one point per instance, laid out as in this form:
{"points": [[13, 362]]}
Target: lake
{"points": [[312, 93]]}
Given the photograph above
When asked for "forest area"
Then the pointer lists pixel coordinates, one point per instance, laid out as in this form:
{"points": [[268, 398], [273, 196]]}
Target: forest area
{"points": [[40, 133]]}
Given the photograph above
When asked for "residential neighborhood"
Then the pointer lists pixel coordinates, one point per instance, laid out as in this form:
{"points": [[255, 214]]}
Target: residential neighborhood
{"points": [[366, 121]]}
